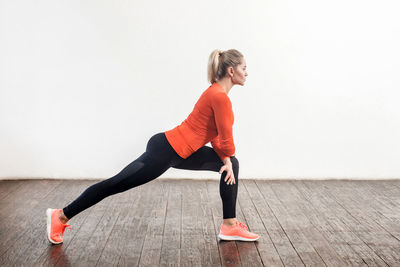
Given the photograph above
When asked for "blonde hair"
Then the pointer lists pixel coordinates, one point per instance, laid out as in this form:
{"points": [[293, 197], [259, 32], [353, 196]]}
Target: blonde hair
{"points": [[219, 61]]}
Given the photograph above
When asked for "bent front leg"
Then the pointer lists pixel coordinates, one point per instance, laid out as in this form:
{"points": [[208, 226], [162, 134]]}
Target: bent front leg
{"points": [[206, 158]]}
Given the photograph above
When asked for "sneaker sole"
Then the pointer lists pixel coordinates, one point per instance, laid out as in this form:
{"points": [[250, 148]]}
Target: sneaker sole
{"points": [[48, 214], [233, 238]]}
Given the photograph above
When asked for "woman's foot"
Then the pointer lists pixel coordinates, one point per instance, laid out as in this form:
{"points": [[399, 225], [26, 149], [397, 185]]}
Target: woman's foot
{"points": [[237, 231], [230, 221], [62, 217], [55, 226]]}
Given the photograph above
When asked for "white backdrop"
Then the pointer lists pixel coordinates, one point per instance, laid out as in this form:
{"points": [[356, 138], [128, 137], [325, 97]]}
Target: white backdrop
{"points": [[85, 84]]}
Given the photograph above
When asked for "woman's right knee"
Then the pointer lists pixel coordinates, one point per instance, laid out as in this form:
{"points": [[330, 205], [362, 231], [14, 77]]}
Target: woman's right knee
{"points": [[235, 162]]}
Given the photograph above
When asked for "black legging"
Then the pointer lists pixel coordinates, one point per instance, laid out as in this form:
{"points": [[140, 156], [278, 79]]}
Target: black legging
{"points": [[158, 158]]}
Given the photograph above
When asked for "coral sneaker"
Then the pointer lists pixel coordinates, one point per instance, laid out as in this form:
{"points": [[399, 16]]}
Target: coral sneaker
{"points": [[237, 231], [55, 228]]}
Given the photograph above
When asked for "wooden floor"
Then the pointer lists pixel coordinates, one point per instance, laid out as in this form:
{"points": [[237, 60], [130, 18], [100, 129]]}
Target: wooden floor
{"points": [[175, 223]]}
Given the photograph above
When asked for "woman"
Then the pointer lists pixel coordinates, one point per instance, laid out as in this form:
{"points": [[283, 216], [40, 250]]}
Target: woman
{"points": [[183, 147]]}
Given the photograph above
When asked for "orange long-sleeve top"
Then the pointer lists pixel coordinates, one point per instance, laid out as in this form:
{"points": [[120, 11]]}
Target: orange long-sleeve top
{"points": [[210, 121]]}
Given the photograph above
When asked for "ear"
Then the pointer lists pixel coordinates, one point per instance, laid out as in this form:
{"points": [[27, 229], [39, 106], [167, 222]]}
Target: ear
{"points": [[230, 71]]}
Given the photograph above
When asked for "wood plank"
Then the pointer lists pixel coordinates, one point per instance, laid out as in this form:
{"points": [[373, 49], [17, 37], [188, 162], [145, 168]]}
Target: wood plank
{"points": [[358, 202], [21, 211], [343, 241], [386, 193], [383, 202], [116, 240], [375, 222], [137, 228], [32, 241], [211, 256], [228, 251], [265, 245], [392, 189], [78, 245], [24, 199], [330, 196], [373, 196], [326, 250], [100, 236], [192, 236], [151, 250], [336, 250], [289, 224], [171, 244], [277, 233], [249, 255], [210, 224], [208, 246], [7, 187], [54, 253], [353, 223]]}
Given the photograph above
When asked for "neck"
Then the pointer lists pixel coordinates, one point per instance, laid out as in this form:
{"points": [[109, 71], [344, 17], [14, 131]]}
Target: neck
{"points": [[226, 83]]}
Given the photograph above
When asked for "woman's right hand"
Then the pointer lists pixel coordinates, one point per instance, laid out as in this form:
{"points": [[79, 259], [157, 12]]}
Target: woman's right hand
{"points": [[230, 177]]}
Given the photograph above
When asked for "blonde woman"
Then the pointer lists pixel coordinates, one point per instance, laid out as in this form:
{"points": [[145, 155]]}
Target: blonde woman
{"points": [[182, 147]]}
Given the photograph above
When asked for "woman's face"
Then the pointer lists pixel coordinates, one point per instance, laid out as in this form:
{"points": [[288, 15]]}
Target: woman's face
{"points": [[240, 73]]}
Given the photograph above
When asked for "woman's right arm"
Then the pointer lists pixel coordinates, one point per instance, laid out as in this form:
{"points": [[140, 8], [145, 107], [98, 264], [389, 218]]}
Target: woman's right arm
{"points": [[223, 115], [223, 142]]}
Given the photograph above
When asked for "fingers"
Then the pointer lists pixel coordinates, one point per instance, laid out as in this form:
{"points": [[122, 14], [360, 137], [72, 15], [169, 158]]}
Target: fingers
{"points": [[228, 175], [232, 179], [229, 178]]}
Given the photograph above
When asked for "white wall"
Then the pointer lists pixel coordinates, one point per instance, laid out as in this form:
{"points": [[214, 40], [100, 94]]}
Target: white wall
{"points": [[85, 84]]}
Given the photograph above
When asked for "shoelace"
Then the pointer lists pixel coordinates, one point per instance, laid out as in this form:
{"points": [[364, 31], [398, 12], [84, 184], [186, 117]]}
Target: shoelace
{"points": [[243, 225], [63, 230]]}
